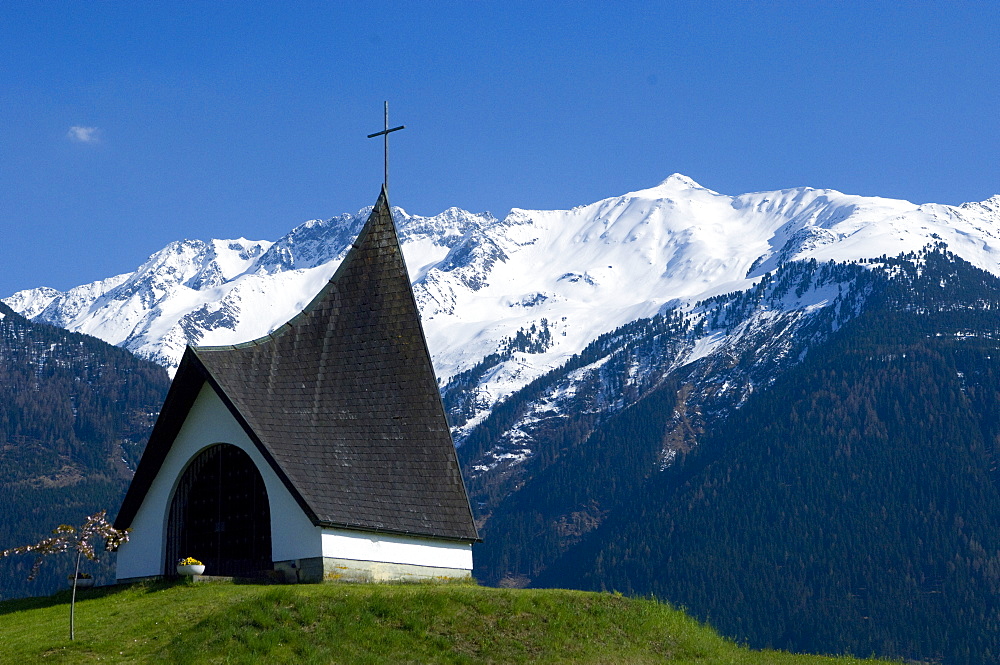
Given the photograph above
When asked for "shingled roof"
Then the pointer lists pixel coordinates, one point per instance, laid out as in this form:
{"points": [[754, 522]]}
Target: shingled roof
{"points": [[342, 400]]}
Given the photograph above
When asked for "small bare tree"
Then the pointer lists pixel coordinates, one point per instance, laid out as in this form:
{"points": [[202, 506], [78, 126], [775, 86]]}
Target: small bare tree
{"points": [[71, 539]]}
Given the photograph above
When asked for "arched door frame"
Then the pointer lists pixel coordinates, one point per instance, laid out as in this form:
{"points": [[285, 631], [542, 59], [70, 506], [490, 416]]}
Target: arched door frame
{"points": [[219, 505]]}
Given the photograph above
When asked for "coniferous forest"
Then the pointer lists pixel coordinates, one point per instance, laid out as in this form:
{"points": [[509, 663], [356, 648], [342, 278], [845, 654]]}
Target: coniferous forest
{"points": [[75, 413]]}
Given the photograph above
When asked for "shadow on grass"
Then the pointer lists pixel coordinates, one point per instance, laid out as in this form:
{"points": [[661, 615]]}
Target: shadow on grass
{"points": [[63, 596]]}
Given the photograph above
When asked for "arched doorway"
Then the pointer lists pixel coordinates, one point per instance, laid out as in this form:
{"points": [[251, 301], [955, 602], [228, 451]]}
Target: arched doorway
{"points": [[220, 515]]}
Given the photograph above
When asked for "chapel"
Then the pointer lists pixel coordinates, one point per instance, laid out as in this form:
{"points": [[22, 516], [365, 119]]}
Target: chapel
{"points": [[318, 452]]}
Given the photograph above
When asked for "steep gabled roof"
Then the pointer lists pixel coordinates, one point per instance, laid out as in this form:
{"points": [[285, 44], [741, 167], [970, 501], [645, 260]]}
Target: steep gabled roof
{"points": [[342, 400]]}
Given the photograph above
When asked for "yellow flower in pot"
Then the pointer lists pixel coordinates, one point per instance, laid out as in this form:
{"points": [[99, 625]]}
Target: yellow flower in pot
{"points": [[190, 566]]}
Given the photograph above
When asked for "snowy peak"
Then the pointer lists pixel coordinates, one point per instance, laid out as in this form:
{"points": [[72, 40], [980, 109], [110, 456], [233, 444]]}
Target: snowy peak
{"points": [[31, 303], [990, 207], [675, 183], [309, 244]]}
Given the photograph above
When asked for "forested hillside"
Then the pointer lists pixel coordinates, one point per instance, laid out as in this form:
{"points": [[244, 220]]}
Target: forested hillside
{"points": [[552, 463], [75, 413], [853, 506]]}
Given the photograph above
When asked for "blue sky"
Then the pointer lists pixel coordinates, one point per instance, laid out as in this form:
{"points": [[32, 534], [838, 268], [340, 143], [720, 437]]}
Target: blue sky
{"points": [[125, 125]]}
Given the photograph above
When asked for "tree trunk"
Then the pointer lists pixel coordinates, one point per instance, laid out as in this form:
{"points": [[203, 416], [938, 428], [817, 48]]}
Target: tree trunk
{"points": [[72, 602]]}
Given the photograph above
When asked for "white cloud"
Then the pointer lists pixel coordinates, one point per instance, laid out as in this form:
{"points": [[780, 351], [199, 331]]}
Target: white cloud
{"points": [[84, 134]]}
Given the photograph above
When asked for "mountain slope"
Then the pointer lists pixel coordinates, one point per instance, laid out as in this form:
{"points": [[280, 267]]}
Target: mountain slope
{"points": [[853, 506], [74, 416], [713, 357]]}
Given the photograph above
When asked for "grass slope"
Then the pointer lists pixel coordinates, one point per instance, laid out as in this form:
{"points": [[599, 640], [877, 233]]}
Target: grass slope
{"points": [[231, 623]]}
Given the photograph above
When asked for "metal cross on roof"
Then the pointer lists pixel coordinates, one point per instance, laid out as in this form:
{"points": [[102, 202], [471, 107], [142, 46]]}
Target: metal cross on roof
{"points": [[385, 135]]}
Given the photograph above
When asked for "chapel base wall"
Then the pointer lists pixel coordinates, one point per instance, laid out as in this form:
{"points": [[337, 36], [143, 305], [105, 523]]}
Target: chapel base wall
{"points": [[138, 580], [327, 569]]}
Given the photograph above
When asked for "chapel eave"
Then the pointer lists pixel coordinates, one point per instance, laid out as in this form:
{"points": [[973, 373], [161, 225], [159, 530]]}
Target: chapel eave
{"points": [[183, 391]]}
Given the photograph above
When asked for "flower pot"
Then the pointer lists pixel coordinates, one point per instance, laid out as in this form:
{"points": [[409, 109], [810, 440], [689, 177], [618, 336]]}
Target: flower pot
{"points": [[191, 569]]}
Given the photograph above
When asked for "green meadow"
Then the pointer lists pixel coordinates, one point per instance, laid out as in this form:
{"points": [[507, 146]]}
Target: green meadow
{"points": [[347, 623]]}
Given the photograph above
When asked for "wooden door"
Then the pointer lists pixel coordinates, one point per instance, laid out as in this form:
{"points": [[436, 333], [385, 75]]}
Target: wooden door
{"points": [[220, 515]]}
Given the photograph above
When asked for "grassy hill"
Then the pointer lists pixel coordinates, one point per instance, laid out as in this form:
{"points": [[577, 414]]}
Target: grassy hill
{"points": [[233, 623]]}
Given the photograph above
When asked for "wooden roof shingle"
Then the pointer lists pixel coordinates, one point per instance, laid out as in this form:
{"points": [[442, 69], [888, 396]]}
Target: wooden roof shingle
{"points": [[342, 400]]}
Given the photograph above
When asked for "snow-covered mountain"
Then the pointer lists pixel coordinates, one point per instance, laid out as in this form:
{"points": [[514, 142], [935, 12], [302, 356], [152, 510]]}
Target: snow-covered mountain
{"points": [[505, 301]]}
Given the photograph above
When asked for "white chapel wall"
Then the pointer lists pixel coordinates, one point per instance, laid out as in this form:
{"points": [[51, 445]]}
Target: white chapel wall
{"points": [[293, 535], [385, 548]]}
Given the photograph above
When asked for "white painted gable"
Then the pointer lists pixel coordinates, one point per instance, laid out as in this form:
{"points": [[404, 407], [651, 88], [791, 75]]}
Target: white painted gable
{"points": [[293, 535]]}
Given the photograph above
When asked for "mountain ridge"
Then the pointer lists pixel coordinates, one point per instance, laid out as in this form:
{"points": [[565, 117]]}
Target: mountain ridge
{"points": [[481, 281]]}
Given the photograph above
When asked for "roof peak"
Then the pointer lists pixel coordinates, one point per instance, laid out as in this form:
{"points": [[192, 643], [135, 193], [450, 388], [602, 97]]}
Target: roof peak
{"points": [[382, 214]]}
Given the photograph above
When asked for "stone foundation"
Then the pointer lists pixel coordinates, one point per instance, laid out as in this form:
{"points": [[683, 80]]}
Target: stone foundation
{"points": [[326, 569]]}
